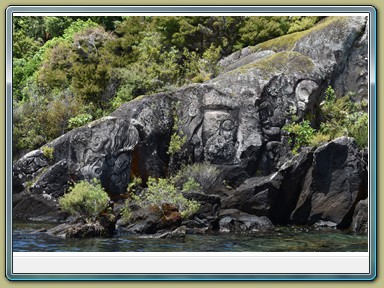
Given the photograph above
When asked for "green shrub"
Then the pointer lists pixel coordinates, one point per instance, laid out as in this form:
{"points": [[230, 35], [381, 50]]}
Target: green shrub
{"points": [[319, 139], [301, 134], [79, 120], [176, 143], [191, 185], [177, 138], [85, 200], [358, 128], [204, 174], [126, 213], [48, 152], [343, 117], [163, 191], [300, 23]]}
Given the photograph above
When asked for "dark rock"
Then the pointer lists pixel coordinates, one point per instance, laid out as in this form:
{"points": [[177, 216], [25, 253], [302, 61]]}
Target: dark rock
{"points": [[37, 207], [207, 216], [78, 230], [333, 186], [275, 195], [233, 220], [52, 181], [152, 219], [26, 169], [178, 233], [102, 226], [255, 196], [152, 117], [360, 217]]}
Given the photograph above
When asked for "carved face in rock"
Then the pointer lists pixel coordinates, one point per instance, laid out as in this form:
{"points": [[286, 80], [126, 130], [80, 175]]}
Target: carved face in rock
{"points": [[106, 154], [220, 148]]}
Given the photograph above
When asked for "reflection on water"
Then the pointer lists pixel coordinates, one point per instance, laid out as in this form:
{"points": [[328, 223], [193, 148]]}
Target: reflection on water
{"points": [[25, 239]]}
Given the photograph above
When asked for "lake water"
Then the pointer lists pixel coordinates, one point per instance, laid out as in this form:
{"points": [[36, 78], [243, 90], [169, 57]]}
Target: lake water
{"points": [[285, 239]]}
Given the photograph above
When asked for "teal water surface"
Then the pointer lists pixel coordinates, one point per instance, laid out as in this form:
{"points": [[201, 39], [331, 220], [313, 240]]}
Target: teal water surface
{"points": [[284, 239]]}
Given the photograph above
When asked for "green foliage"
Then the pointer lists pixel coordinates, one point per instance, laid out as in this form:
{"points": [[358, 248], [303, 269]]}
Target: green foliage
{"points": [[48, 152], [204, 174], [126, 212], [341, 117], [162, 191], [177, 138], [176, 143], [24, 47], [79, 120], [154, 70], [133, 185], [301, 134], [85, 200], [358, 128], [319, 139], [260, 29], [191, 185], [300, 23]]}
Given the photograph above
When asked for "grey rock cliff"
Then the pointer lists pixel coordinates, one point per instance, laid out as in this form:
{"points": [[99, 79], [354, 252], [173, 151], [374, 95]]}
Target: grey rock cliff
{"points": [[234, 122]]}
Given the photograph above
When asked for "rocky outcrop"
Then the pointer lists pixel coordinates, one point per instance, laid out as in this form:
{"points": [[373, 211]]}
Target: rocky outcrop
{"points": [[233, 220], [207, 216], [360, 217], [234, 122], [334, 184]]}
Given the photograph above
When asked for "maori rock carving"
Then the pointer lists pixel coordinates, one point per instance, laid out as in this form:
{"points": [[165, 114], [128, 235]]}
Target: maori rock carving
{"points": [[220, 135], [103, 151]]}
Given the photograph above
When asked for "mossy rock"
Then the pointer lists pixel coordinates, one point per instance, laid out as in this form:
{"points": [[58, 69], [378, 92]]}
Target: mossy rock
{"points": [[291, 61], [287, 42]]}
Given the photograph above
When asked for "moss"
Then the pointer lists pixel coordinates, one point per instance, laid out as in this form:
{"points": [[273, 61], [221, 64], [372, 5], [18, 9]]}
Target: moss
{"points": [[291, 61], [287, 42], [48, 152]]}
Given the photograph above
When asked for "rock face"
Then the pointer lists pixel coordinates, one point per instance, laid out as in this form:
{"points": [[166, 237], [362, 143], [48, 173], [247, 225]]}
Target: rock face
{"points": [[334, 184], [360, 217], [233, 122]]}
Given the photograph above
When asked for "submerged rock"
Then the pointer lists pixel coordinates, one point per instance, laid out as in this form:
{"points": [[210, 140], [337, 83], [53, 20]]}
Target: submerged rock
{"points": [[233, 220], [178, 233]]}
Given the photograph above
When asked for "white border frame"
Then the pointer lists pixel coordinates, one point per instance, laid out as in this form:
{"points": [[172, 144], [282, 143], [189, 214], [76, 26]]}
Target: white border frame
{"points": [[261, 261]]}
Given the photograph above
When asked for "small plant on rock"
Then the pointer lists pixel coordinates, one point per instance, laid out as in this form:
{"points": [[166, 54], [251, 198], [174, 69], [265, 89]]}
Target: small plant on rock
{"points": [[48, 152], [301, 134]]}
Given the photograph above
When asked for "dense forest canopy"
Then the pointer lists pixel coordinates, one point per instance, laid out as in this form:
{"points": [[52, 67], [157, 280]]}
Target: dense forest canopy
{"points": [[68, 71]]}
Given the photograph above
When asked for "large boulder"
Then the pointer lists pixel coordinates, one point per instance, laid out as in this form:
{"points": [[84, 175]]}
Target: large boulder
{"points": [[275, 195], [334, 184]]}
